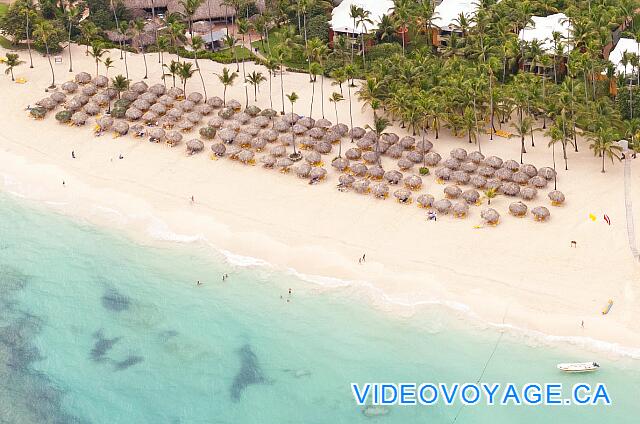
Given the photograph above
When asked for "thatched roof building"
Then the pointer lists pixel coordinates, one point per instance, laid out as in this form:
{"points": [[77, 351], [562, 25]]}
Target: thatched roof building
{"points": [[213, 9]]}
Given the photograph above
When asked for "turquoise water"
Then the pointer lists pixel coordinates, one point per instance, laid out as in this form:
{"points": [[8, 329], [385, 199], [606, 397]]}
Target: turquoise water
{"points": [[97, 329]]}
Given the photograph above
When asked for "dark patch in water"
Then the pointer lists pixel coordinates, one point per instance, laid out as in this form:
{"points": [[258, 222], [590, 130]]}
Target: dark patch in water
{"points": [[115, 301], [249, 373], [127, 363], [101, 346], [164, 336], [32, 397]]}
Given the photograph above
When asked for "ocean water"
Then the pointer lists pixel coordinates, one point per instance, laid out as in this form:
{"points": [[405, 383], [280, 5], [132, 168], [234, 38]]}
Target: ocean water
{"points": [[95, 328]]}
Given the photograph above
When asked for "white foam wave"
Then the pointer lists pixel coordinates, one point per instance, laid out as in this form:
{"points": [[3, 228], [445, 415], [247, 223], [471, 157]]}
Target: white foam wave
{"points": [[322, 280], [243, 261], [585, 343], [159, 230]]}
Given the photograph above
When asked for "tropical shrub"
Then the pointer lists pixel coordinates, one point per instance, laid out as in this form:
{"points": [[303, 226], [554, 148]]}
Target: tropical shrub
{"points": [[208, 132], [318, 27], [64, 116]]}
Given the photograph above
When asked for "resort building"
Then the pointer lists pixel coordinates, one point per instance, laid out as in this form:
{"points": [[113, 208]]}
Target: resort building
{"points": [[550, 32], [447, 17], [214, 40], [625, 45], [343, 24], [216, 10], [543, 30]]}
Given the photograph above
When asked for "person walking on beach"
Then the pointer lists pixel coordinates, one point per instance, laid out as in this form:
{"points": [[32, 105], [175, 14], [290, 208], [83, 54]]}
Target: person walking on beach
{"points": [[364, 258], [73, 154], [198, 283], [582, 324], [193, 200]]}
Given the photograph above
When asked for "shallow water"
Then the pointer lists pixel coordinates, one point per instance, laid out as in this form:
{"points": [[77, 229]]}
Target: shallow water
{"points": [[97, 329]]}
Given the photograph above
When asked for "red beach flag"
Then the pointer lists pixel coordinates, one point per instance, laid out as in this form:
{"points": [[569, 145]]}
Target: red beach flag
{"points": [[607, 219]]}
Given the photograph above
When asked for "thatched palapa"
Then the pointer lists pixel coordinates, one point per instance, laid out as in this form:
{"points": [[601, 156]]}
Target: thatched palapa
{"points": [[194, 146]]}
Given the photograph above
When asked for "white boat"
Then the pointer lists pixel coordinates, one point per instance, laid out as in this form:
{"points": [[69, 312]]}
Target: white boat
{"points": [[579, 367]]}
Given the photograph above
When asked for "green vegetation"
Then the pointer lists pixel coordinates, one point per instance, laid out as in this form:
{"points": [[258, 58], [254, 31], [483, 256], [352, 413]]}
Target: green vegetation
{"points": [[283, 38], [3, 9], [479, 82]]}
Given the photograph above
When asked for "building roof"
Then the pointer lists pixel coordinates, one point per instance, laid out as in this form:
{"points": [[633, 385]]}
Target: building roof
{"points": [[449, 10], [624, 45], [213, 9], [341, 20], [543, 29], [215, 36]]}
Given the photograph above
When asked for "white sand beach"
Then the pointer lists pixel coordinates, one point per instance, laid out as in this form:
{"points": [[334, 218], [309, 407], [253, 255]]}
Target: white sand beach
{"points": [[522, 271]]}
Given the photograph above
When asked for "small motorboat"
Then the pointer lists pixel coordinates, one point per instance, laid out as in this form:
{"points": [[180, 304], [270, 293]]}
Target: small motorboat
{"points": [[375, 411], [579, 367]]}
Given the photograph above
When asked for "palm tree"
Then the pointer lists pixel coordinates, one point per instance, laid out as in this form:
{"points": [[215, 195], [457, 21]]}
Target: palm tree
{"points": [[363, 19], [176, 35], [29, 14], [229, 41], [380, 124], [272, 66], [137, 32], [402, 17], [339, 77], [350, 72], [555, 135], [280, 54], [44, 32], [162, 43], [293, 98], [335, 99], [124, 53], [197, 43], [71, 14], [469, 121], [261, 27], [172, 70], [12, 60], [243, 28], [490, 193], [185, 72], [369, 91], [318, 52], [120, 83], [226, 78], [97, 51], [89, 32], [118, 27], [354, 13], [189, 8], [314, 70], [255, 79], [522, 129], [604, 145], [108, 64]]}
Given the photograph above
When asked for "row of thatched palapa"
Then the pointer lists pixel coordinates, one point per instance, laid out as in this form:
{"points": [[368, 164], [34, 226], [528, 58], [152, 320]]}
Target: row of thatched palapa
{"points": [[239, 132]]}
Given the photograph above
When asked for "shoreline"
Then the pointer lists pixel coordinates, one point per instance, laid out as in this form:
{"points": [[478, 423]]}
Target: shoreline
{"points": [[524, 266], [459, 314]]}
